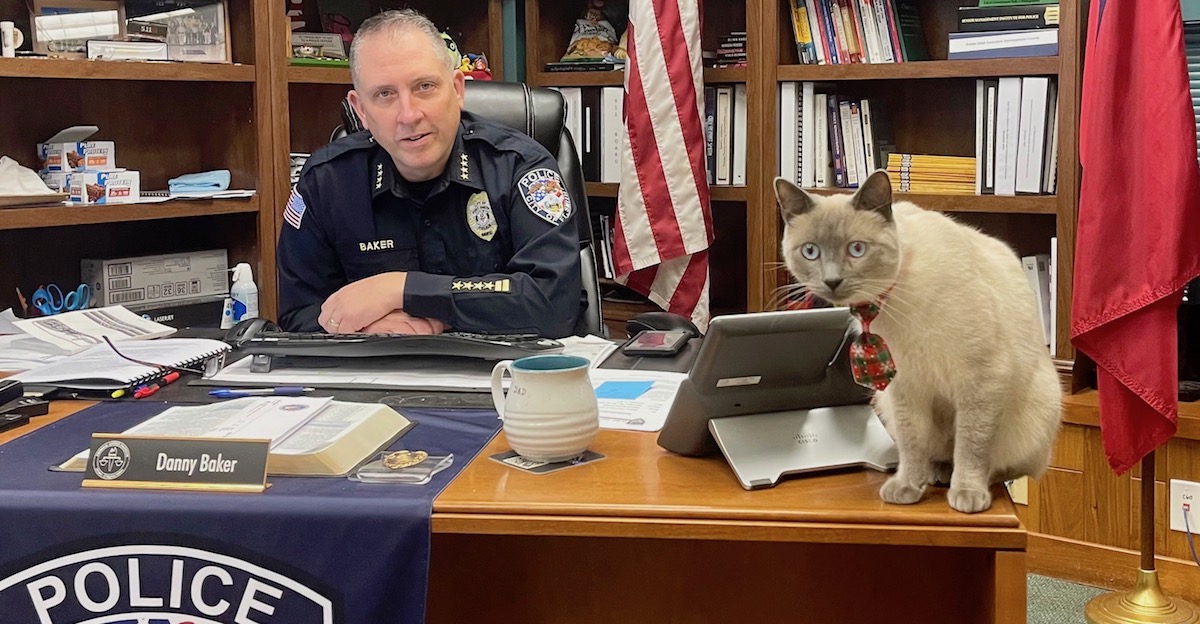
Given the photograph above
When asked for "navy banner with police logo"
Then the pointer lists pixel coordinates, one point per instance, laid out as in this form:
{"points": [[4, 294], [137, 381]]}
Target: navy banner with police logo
{"points": [[319, 550]]}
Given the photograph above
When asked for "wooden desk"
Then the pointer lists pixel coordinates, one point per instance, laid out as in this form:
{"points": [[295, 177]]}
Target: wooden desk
{"points": [[647, 536], [644, 536]]}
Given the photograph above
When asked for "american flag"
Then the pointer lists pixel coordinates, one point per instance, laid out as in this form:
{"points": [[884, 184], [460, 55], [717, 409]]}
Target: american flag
{"points": [[664, 225], [293, 213]]}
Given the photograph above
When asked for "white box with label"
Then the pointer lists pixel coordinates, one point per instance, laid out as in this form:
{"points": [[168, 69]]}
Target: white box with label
{"points": [[104, 187], [154, 281]]}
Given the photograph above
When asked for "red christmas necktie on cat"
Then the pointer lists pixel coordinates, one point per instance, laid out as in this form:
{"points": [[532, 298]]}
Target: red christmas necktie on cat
{"points": [[870, 359]]}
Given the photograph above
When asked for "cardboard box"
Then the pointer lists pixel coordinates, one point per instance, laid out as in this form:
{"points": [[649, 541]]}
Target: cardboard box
{"points": [[149, 282], [104, 187], [58, 181], [68, 151], [204, 314]]}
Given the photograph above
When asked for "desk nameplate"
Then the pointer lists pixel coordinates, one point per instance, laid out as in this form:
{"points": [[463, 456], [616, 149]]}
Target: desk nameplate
{"points": [[177, 463]]}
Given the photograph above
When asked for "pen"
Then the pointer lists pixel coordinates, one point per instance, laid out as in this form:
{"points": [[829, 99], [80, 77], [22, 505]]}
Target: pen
{"points": [[236, 393]]}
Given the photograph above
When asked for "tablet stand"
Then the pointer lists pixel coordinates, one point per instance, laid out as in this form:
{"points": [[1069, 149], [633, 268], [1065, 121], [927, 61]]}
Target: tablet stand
{"points": [[762, 448]]}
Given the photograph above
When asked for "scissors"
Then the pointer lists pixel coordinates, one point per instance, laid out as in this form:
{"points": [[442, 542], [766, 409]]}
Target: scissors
{"points": [[51, 300]]}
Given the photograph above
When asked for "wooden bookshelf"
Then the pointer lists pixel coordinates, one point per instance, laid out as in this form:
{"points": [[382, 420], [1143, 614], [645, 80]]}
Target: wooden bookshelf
{"points": [[318, 75], [931, 105], [988, 204], [166, 119], [1037, 66], [718, 193], [125, 70], [56, 216]]}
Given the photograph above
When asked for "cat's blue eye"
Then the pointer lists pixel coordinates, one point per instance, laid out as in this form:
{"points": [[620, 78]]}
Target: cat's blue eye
{"points": [[810, 251], [856, 249]]}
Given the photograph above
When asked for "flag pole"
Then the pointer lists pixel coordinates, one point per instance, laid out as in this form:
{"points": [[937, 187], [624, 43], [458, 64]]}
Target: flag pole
{"points": [[1146, 602]]}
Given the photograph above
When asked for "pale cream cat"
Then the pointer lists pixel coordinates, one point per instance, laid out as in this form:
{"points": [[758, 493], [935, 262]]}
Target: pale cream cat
{"points": [[976, 397]]}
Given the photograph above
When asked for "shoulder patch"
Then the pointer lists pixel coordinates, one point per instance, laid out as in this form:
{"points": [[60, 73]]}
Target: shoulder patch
{"points": [[293, 213], [546, 195]]}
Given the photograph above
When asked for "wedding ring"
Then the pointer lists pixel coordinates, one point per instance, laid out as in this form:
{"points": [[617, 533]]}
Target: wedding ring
{"points": [[333, 323]]}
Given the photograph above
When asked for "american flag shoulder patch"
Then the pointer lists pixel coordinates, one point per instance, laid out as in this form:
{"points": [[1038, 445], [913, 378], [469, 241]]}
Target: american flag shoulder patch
{"points": [[293, 213]]}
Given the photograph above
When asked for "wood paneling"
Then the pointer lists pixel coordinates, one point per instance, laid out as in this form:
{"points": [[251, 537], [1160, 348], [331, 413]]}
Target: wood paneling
{"points": [[554, 579], [1065, 518], [1111, 568], [1080, 503]]}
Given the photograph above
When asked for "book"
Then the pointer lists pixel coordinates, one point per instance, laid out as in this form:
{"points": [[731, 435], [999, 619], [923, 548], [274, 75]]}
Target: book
{"points": [[309, 436], [990, 3], [99, 368], [1002, 44], [1010, 17]]}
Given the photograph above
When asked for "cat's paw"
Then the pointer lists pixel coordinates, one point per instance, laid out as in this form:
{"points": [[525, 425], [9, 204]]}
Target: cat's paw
{"points": [[969, 500], [898, 492]]}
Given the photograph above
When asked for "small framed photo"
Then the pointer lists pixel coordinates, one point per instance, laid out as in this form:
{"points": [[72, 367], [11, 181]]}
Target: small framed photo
{"points": [[196, 30], [62, 28]]}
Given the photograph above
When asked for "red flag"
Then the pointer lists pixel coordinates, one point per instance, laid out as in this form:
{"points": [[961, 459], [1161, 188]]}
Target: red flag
{"points": [[664, 224], [1138, 240]]}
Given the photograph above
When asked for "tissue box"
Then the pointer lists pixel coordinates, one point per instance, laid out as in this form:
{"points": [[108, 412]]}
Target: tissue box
{"points": [[104, 187], [68, 151]]}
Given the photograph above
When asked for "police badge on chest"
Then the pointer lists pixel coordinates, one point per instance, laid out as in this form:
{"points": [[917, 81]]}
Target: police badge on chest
{"points": [[480, 217]]}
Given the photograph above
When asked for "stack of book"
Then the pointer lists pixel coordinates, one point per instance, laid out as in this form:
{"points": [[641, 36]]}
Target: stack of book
{"points": [[830, 140], [920, 173], [1004, 29], [1016, 129], [837, 32], [731, 51]]}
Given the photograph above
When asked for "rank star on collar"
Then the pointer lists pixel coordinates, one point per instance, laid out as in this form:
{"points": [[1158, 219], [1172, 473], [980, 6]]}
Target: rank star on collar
{"points": [[464, 167], [378, 176]]}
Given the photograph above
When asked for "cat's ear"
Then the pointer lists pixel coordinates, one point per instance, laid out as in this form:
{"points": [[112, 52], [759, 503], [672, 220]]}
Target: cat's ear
{"points": [[875, 195], [793, 201]]}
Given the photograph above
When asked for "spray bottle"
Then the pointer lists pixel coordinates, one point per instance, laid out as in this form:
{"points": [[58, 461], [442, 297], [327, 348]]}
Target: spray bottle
{"points": [[244, 293]]}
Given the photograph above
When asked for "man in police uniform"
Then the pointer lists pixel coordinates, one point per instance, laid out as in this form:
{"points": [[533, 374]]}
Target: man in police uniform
{"points": [[436, 218]]}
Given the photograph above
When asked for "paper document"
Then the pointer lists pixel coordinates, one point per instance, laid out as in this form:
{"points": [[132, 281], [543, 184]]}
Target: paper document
{"points": [[594, 348], [101, 368], [81, 329], [635, 400]]}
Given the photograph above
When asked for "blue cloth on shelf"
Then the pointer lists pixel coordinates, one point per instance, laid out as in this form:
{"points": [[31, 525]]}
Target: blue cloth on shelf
{"points": [[216, 180]]}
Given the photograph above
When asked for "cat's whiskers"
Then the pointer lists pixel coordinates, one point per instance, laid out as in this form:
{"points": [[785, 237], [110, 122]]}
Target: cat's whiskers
{"points": [[783, 294]]}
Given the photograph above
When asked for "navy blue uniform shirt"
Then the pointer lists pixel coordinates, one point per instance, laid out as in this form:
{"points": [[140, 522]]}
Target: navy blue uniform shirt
{"points": [[493, 247]]}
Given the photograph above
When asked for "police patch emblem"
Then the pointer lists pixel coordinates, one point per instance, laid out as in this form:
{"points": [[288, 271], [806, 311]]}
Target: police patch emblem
{"points": [[546, 195], [480, 217], [293, 213]]}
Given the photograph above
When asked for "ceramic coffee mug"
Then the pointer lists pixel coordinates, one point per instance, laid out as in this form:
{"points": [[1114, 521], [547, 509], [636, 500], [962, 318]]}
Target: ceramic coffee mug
{"points": [[11, 38], [550, 413]]}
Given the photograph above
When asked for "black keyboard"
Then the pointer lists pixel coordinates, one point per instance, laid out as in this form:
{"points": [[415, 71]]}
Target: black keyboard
{"points": [[459, 344]]}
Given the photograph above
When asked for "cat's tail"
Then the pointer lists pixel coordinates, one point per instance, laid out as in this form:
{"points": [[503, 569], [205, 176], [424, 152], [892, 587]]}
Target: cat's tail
{"points": [[1028, 441]]}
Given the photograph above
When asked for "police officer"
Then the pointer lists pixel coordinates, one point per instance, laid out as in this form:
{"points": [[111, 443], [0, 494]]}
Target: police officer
{"points": [[435, 219]]}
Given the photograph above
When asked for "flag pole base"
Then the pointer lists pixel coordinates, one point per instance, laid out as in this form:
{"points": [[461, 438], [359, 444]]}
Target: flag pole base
{"points": [[1145, 603]]}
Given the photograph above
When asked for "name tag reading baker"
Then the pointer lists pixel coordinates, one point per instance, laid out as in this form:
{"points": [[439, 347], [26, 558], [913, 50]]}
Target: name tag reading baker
{"points": [[172, 463]]}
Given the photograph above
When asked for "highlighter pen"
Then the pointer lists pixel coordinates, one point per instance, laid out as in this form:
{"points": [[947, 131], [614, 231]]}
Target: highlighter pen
{"points": [[237, 393], [145, 391]]}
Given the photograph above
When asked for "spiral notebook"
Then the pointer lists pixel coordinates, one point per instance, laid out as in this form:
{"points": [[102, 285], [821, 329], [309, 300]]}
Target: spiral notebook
{"points": [[101, 368]]}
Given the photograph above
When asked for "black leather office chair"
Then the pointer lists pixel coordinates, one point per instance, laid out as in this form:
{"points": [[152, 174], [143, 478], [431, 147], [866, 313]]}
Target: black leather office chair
{"points": [[541, 113]]}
